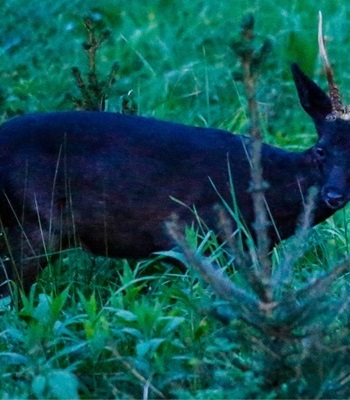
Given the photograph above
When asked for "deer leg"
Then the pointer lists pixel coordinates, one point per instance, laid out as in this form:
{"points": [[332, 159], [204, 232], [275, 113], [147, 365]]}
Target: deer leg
{"points": [[24, 252]]}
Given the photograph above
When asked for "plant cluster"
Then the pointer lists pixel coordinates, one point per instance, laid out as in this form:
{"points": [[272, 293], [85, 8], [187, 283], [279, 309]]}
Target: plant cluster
{"points": [[94, 92]]}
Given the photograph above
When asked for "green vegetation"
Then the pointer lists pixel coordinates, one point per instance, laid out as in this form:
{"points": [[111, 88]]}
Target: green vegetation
{"points": [[101, 328]]}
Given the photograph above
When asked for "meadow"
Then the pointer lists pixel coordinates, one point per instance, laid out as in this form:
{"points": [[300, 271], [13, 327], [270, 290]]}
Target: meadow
{"points": [[94, 327]]}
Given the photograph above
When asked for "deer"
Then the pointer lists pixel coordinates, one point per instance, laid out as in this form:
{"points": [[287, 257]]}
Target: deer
{"points": [[107, 181]]}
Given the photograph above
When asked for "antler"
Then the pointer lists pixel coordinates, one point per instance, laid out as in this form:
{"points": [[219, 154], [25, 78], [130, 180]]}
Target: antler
{"points": [[337, 105]]}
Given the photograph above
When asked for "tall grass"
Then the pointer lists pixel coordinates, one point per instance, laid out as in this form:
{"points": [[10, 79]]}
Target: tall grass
{"points": [[100, 328]]}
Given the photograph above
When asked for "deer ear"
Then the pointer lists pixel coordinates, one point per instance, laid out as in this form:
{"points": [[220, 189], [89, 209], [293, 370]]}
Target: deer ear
{"points": [[312, 98]]}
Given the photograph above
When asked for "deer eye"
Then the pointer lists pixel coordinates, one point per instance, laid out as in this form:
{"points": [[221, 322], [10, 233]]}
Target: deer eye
{"points": [[320, 153]]}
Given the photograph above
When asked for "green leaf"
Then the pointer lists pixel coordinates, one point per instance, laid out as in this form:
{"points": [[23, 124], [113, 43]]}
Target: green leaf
{"points": [[173, 323], [38, 386], [149, 347], [62, 385], [12, 358], [126, 315]]}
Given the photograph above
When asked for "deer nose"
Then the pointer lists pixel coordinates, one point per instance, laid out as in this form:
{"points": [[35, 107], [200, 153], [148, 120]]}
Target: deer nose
{"points": [[333, 199]]}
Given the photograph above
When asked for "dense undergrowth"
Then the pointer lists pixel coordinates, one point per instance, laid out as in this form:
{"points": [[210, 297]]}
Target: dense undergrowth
{"points": [[101, 328]]}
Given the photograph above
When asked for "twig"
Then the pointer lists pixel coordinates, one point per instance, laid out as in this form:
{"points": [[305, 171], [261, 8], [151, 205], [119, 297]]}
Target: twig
{"points": [[137, 375]]}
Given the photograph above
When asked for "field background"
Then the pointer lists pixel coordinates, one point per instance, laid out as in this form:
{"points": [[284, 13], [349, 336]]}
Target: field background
{"points": [[100, 328]]}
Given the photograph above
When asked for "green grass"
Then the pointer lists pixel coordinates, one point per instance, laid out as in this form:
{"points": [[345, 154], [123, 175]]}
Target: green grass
{"points": [[100, 328]]}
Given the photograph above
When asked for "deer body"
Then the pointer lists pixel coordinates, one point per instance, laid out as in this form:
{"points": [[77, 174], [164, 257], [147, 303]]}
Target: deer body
{"points": [[109, 179]]}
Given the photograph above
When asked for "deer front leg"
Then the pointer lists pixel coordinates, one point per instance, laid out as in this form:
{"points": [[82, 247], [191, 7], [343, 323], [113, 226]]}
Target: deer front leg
{"points": [[25, 250]]}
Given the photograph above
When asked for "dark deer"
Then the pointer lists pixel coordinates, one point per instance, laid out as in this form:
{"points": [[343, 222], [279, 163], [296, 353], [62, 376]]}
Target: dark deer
{"points": [[108, 180]]}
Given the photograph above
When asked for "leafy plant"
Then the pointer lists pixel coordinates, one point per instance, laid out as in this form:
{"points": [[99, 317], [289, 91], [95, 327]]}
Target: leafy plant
{"points": [[94, 92], [289, 327]]}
